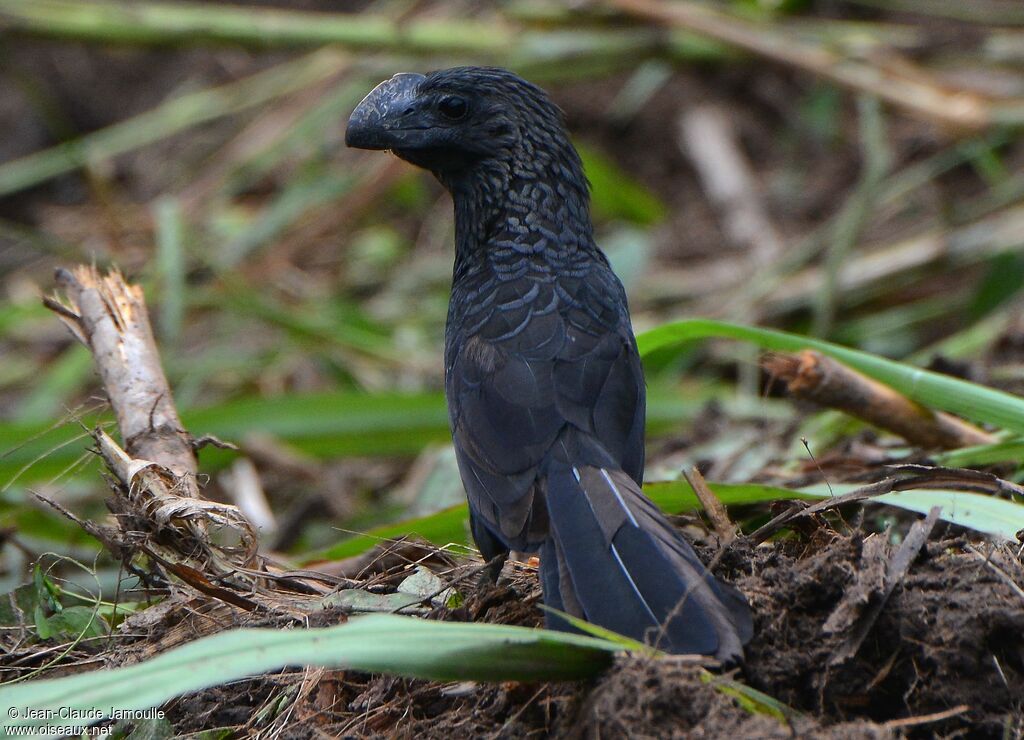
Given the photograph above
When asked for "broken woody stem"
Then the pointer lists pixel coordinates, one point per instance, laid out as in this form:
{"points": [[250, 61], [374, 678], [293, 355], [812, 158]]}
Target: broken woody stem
{"points": [[814, 377], [109, 317]]}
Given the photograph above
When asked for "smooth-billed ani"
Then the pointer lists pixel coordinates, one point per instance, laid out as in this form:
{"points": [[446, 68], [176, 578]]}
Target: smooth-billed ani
{"points": [[544, 384]]}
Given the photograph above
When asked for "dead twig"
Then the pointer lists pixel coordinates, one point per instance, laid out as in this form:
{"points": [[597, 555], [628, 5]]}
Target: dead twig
{"points": [[816, 377], [716, 511], [923, 719], [961, 479], [109, 317], [873, 490], [159, 509], [915, 476]]}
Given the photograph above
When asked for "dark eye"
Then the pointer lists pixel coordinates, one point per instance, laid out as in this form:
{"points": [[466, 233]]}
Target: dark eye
{"points": [[453, 107]]}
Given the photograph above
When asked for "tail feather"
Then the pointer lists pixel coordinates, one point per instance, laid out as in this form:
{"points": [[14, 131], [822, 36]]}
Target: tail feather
{"points": [[619, 563]]}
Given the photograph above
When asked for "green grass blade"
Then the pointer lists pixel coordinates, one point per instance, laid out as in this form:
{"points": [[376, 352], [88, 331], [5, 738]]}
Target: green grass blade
{"points": [[169, 118], [332, 424], [444, 527], [603, 633], [675, 496], [171, 266], [404, 646], [482, 40], [969, 400], [315, 187], [1010, 450], [987, 514], [191, 23], [752, 700], [54, 386]]}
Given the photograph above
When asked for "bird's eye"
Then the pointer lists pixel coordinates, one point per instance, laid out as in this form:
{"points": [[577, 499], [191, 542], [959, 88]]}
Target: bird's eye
{"points": [[453, 107]]}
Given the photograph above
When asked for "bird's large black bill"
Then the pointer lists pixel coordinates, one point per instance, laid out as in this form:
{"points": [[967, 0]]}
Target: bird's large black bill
{"points": [[376, 123]]}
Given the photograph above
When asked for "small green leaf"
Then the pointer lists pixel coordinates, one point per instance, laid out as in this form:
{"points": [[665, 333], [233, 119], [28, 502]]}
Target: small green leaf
{"points": [[752, 700], [43, 629], [75, 622]]}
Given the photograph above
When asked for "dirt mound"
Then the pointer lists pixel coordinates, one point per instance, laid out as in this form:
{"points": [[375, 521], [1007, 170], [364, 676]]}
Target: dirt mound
{"points": [[950, 637], [662, 699]]}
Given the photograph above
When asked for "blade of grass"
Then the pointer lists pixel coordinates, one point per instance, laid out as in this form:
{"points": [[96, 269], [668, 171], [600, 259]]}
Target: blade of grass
{"points": [[339, 324], [190, 23], [975, 511], [170, 117], [916, 90], [170, 259], [891, 191], [1011, 450], [982, 513], [1002, 14], [282, 133], [34, 452], [594, 630], [315, 187], [444, 527], [752, 700], [677, 495], [615, 194], [972, 401], [404, 646]]}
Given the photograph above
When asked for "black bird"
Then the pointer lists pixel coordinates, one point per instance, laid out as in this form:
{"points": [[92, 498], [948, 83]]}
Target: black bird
{"points": [[544, 384]]}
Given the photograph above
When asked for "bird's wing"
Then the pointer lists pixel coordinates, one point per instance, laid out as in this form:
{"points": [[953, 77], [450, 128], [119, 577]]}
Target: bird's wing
{"points": [[533, 357]]}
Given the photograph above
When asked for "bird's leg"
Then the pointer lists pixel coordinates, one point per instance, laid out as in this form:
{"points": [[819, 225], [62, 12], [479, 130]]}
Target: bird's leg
{"points": [[491, 549]]}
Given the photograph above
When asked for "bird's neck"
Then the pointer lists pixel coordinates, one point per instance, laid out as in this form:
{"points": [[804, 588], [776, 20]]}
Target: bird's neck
{"points": [[509, 218]]}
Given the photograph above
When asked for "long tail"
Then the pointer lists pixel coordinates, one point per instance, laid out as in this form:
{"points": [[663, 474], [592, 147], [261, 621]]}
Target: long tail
{"points": [[614, 560]]}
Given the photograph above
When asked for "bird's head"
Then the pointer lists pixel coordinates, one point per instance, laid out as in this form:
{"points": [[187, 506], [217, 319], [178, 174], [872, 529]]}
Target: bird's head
{"points": [[465, 122]]}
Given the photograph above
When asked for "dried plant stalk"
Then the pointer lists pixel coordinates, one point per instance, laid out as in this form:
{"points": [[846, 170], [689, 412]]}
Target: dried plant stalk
{"points": [[815, 377], [713, 506], [158, 505], [109, 317]]}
